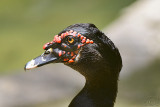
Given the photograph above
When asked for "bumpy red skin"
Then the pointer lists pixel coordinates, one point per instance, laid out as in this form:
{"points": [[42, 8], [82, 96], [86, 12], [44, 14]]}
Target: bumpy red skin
{"points": [[58, 39]]}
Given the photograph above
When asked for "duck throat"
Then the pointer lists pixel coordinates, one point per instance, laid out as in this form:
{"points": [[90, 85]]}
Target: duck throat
{"points": [[97, 93]]}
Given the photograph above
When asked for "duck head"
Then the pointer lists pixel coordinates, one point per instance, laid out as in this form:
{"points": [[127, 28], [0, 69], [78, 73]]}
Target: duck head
{"points": [[80, 46]]}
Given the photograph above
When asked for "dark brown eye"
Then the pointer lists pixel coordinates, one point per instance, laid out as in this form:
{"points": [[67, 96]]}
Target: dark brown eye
{"points": [[70, 40]]}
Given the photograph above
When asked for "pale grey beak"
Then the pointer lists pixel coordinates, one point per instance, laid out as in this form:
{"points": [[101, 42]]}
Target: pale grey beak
{"points": [[45, 58]]}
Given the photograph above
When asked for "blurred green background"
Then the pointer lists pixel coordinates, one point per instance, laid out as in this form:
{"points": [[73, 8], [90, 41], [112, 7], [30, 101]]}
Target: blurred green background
{"points": [[25, 25]]}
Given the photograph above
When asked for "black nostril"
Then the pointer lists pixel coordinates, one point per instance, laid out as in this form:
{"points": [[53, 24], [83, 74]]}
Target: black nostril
{"points": [[47, 52]]}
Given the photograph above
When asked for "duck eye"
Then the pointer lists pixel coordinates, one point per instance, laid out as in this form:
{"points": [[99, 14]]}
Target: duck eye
{"points": [[70, 40]]}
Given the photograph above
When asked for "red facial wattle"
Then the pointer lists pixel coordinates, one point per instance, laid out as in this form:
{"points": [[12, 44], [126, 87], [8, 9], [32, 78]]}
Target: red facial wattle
{"points": [[64, 50]]}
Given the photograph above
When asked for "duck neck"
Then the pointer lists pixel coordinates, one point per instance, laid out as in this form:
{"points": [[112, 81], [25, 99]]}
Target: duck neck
{"points": [[100, 91]]}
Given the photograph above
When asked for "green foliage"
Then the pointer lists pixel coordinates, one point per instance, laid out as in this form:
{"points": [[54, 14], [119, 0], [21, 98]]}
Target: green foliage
{"points": [[27, 24]]}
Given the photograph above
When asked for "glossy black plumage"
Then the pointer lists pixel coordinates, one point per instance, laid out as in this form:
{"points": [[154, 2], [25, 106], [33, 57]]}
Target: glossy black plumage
{"points": [[100, 63]]}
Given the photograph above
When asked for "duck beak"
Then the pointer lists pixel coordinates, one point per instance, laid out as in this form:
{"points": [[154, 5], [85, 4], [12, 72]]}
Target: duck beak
{"points": [[41, 60]]}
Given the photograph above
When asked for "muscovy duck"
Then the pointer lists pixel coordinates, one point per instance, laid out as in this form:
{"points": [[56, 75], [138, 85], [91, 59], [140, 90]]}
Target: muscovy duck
{"points": [[86, 49]]}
